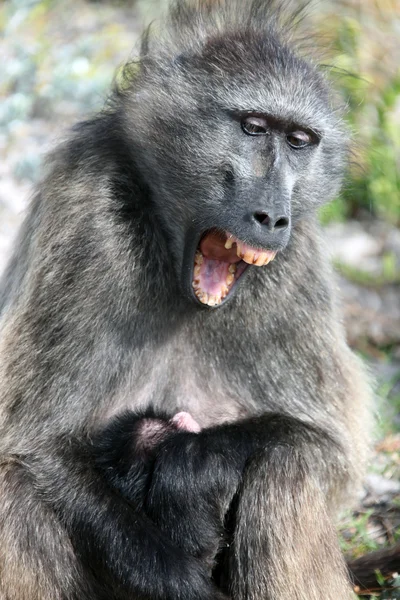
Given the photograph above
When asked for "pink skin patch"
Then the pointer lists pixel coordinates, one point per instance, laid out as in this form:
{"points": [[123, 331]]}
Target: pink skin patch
{"points": [[152, 432], [184, 421]]}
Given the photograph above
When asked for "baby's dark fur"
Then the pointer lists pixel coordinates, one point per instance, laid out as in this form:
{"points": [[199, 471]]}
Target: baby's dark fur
{"points": [[98, 315], [186, 482]]}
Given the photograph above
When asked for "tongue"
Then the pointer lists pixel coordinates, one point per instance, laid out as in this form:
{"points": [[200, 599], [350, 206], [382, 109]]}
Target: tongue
{"points": [[212, 246]]}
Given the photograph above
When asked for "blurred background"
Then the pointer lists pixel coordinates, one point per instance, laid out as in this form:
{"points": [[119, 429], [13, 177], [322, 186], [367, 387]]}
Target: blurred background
{"points": [[57, 60]]}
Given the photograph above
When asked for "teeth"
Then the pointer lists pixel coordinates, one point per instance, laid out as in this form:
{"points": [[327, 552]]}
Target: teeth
{"points": [[248, 257], [229, 242], [203, 296], [224, 291], [270, 256], [213, 300], [209, 299], [198, 259], [259, 261], [251, 257]]}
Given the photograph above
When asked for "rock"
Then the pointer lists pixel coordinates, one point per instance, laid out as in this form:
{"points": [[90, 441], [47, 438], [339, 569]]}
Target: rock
{"points": [[352, 245]]}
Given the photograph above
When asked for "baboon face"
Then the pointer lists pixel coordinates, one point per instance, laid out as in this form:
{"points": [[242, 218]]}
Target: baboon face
{"points": [[250, 146]]}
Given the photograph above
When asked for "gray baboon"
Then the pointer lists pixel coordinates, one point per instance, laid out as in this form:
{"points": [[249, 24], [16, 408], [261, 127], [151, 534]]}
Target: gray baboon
{"points": [[130, 290]]}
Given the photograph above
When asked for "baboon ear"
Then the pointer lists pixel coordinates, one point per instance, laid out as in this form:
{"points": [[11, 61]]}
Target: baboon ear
{"points": [[145, 42]]}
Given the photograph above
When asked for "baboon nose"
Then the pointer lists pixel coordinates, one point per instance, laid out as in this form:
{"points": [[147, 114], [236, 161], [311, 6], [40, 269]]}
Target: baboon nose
{"points": [[272, 222]]}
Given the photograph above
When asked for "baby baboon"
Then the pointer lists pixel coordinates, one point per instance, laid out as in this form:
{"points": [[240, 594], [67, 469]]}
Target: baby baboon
{"points": [[172, 258], [141, 456]]}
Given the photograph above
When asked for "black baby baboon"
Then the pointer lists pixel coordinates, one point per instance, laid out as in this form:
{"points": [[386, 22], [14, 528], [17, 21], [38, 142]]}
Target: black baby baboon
{"points": [[143, 455], [172, 258], [186, 480]]}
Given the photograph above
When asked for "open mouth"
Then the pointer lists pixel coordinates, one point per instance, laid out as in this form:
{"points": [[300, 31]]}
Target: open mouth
{"points": [[219, 262]]}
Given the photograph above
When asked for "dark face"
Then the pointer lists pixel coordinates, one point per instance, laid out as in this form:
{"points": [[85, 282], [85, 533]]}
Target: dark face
{"points": [[237, 156], [253, 220]]}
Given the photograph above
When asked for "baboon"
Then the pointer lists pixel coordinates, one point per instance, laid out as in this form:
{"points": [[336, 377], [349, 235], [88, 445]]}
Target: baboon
{"points": [[172, 259]]}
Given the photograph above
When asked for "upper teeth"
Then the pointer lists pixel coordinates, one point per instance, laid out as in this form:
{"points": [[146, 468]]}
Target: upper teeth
{"points": [[229, 242], [250, 255]]}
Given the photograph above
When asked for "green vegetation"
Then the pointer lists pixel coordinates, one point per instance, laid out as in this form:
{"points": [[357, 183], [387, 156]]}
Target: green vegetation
{"points": [[365, 43]]}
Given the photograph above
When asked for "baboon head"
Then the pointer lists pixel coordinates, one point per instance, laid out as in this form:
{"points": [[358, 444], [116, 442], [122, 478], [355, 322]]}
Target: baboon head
{"points": [[237, 140]]}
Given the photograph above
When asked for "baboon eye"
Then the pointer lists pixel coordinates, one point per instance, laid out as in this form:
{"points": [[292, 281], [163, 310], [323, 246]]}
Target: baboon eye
{"points": [[254, 126], [298, 139]]}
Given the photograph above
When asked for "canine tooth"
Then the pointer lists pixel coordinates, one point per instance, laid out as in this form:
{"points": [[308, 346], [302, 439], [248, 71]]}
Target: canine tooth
{"points": [[229, 242], [232, 268], [230, 279]]}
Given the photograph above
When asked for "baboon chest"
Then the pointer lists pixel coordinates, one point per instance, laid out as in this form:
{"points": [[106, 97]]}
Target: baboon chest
{"points": [[173, 380]]}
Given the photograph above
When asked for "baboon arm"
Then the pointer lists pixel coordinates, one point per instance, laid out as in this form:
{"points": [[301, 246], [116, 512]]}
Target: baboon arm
{"points": [[120, 545], [285, 545], [284, 472]]}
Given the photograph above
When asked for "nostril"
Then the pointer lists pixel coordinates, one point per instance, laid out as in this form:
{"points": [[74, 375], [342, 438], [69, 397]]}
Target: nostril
{"points": [[271, 223], [261, 217], [281, 223]]}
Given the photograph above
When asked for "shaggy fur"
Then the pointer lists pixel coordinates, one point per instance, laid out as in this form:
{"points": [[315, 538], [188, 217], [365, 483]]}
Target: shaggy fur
{"points": [[97, 316]]}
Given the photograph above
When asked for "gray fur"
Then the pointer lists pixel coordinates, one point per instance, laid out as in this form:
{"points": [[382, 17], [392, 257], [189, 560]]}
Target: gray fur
{"points": [[94, 316]]}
